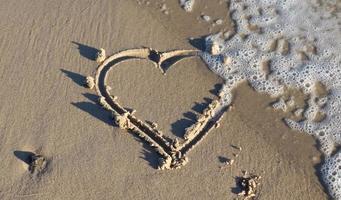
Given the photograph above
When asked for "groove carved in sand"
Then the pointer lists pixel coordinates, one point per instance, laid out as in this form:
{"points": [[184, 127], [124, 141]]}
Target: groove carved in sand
{"points": [[173, 153]]}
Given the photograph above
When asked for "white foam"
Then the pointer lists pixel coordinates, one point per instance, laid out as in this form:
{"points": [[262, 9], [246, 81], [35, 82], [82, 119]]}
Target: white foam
{"points": [[286, 33], [206, 18], [187, 5]]}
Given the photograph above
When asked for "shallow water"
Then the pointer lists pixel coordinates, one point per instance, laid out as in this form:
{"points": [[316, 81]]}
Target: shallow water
{"points": [[279, 46]]}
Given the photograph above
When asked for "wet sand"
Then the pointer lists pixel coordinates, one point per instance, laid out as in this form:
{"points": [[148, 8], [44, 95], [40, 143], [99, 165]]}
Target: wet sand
{"points": [[48, 47]]}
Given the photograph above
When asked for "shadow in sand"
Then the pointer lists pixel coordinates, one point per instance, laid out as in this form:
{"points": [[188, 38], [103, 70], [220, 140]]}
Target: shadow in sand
{"points": [[189, 118], [165, 65], [91, 97], [148, 153], [87, 51], [223, 159], [24, 156], [150, 156], [75, 77], [318, 173], [199, 43], [216, 89], [238, 188], [190, 115], [93, 108], [154, 56], [178, 128]]}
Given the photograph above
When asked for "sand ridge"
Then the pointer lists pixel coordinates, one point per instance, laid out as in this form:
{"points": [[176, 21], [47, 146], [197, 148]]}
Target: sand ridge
{"points": [[172, 151]]}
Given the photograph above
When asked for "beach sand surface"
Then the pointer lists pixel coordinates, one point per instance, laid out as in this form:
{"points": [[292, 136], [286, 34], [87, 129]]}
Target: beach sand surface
{"points": [[47, 49]]}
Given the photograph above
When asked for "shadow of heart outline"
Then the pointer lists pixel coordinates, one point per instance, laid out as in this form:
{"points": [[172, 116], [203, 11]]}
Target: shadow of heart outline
{"points": [[173, 153]]}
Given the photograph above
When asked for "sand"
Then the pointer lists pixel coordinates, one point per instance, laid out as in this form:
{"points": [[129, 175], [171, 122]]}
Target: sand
{"points": [[49, 47]]}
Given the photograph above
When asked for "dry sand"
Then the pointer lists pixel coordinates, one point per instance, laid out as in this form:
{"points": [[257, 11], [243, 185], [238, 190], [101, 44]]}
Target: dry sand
{"points": [[47, 49]]}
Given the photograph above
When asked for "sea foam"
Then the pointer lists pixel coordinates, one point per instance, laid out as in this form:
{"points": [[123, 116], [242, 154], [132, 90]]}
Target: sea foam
{"points": [[286, 44]]}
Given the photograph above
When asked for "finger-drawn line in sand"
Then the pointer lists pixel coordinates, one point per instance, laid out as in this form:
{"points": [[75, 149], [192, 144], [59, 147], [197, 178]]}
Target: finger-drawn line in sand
{"points": [[173, 152]]}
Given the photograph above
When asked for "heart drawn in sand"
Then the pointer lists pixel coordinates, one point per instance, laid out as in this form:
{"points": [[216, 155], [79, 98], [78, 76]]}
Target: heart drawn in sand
{"points": [[173, 152]]}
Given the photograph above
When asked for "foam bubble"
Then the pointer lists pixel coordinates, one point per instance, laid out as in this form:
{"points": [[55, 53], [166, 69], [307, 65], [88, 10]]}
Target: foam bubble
{"points": [[288, 44], [187, 5]]}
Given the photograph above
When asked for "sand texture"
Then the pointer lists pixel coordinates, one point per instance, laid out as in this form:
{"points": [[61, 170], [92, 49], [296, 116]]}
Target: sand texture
{"points": [[48, 48]]}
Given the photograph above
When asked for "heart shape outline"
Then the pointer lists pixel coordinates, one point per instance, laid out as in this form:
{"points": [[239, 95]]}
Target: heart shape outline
{"points": [[173, 153]]}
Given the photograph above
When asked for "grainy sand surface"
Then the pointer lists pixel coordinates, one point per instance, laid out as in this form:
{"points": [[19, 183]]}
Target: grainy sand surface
{"points": [[48, 47]]}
